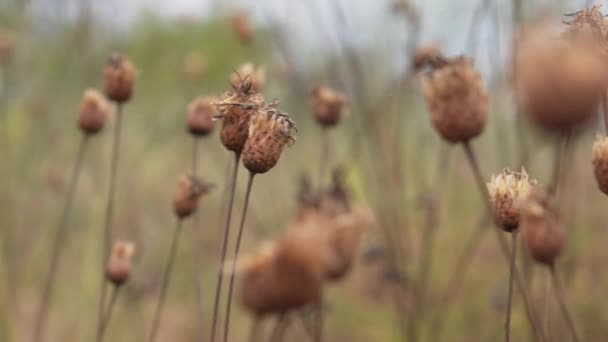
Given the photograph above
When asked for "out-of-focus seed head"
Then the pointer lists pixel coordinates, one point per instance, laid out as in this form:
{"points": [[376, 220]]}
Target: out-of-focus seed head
{"points": [[195, 66], [120, 78], [559, 81], [335, 199], [600, 162], [457, 99], [328, 105], [248, 71], [270, 130], [93, 113], [189, 190], [426, 55], [120, 264], [542, 232], [587, 25], [7, 46], [201, 111], [507, 191], [242, 26]]}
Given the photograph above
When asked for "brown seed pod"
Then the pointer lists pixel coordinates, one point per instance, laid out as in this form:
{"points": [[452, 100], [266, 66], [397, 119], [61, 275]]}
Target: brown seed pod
{"points": [[199, 120], [507, 191], [195, 66], [235, 108], [542, 232], [7, 46], [120, 77], [328, 105], [120, 264], [248, 71], [189, 190], [600, 162], [93, 113], [270, 130], [242, 26], [559, 82], [457, 99]]}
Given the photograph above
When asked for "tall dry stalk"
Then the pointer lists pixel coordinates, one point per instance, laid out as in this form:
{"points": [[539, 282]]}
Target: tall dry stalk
{"points": [[559, 297], [106, 319], [510, 295], [197, 241]]}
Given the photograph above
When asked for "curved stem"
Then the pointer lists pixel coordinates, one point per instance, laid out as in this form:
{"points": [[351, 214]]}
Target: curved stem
{"points": [[510, 298], [165, 284], [107, 227], [559, 296], [218, 287], [236, 255], [324, 155], [59, 240], [106, 320], [279, 328], [197, 241]]}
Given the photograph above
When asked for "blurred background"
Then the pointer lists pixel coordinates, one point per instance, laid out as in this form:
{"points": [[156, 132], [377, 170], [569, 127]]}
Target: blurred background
{"points": [[430, 233]]}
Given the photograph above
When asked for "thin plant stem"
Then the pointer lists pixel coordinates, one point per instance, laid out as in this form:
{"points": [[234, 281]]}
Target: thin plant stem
{"points": [[58, 242], [197, 241], [220, 273], [510, 297], [236, 255], [325, 146], [107, 226], [530, 312], [605, 111], [106, 320], [559, 296], [166, 277], [255, 328], [319, 317], [279, 329]]}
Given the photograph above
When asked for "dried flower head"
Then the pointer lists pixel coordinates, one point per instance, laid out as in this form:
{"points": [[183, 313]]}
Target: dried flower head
{"points": [[120, 76], [248, 71], [200, 115], [120, 264], [426, 55], [270, 130], [588, 25], [559, 82], [507, 191], [328, 105], [195, 66], [93, 113], [7, 46], [542, 233], [189, 190], [457, 99], [600, 162], [242, 26], [235, 108]]}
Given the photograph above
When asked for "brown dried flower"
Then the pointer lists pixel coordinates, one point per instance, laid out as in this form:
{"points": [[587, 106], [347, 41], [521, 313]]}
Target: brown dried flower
{"points": [[457, 99], [507, 191], [120, 263], [189, 190], [93, 113], [542, 232], [588, 25], [200, 115], [248, 71], [120, 76], [600, 162], [242, 26], [270, 130], [328, 105]]}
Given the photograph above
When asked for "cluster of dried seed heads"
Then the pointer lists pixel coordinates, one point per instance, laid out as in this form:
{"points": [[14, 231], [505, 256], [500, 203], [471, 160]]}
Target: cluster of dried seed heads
{"points": [[189, 190], [507, 191], [201, 111], [120, 77], [328, 105], [93, 112], [120, 264], [542, 232]]}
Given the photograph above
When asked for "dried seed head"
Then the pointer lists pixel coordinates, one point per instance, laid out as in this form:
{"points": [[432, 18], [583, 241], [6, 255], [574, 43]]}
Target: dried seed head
{"points": [[507, 191], [189, 190], [200, 116], [7, 46], [270, 130], [242, 27], [457, 99], [120, 76], [329, 105], [542, 233], [195, 66], [600, 162], [588, 25], [248, 71], [120, 264], [235, 108], [426, 55], [559, 82], [93, 113]]}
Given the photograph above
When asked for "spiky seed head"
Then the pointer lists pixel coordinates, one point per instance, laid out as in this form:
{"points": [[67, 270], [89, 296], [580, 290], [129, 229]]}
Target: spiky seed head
{"points": [[248, 71], [189, 190], [120, 264], [195, 66], [201, 111], [457, 99], [507, 191], [7, 46], [93, 113], [120, 78], [242, 26], [542, 232], [588, 25], [600, 162], [328, 105], [559, 81], [270, 130]]}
